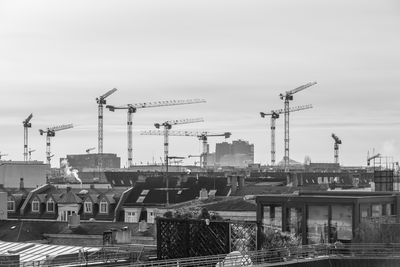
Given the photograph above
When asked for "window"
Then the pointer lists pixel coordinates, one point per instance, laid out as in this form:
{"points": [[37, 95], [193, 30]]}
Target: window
{"points": [[87, 207], [35, 206], [294, 218], [50, 205], [364, 211], [103, 206], [10, 205], [130, 217], [342, 222], [140, 199], [273, 216], [376, 210], [317, 224]]}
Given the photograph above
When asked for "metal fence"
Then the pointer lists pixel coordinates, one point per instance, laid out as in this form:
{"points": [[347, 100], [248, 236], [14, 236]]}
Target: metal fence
{"points": [[180, 238], [271, 257]]}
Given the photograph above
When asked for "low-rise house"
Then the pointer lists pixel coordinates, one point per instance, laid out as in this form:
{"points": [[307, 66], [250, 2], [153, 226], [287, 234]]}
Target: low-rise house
{"points": [[324, 217]]}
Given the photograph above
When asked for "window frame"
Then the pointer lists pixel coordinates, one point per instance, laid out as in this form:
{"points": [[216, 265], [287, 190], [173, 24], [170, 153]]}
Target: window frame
{"points": [[13, 205], [85, 210], [103, 202], [50, 201], [35, 201]]}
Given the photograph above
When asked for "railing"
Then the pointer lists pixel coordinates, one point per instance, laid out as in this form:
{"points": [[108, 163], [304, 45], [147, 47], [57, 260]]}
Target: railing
{"points": [[254, 258]]}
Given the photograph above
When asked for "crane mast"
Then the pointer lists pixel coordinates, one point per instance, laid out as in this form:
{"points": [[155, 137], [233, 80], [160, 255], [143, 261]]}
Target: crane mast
{"points": [[336, 147], [30, 153], [275, 115], [167, 126], [288, 96], [51, 132], [101, 100], [26, 123], [132, 108]]}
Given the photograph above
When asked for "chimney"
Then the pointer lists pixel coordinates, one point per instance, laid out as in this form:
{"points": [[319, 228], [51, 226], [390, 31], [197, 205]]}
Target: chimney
{"points": [[203, 194], [233, 184], [21, 183], [241, 182]]}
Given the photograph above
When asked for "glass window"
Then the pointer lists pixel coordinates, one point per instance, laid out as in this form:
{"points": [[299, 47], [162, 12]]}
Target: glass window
{"points": [[35, 206], [103, 206], [130, 216], [317, 224], [364, 211], [50, 205], [294, 218], [388, 209], [342, 223], [87, 207], [376, 210], [10, 205], [272, 216]]}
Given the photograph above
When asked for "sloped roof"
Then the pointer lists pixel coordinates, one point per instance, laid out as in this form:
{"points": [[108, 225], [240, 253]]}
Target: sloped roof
{"points": [[69, 198]]}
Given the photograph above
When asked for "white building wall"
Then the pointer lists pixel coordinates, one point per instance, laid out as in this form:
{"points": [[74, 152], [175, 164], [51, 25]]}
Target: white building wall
{"points": [[150, 215], [129, 218], [65, 210], [33, 172]]}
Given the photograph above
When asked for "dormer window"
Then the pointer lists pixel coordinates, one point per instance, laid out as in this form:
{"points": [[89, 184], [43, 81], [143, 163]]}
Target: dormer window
{"points": [[35, 205], [50, 205], [103, 206], [10, 205], [88, 207]]}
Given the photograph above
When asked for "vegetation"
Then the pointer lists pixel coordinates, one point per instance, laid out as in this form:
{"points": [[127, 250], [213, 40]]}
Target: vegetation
{"points": [[383, 231], [193, 213]]}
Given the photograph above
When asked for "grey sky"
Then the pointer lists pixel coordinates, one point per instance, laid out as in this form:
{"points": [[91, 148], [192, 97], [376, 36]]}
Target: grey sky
{"points": [[58, 56]]}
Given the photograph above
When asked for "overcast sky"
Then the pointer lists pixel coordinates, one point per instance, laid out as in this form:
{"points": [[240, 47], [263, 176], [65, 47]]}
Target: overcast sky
{"points": [[56, 57]]}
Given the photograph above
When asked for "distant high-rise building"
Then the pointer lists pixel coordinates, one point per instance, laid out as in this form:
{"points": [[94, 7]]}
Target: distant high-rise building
{"points": [[238, 154], [222, 149], [91, 161]]}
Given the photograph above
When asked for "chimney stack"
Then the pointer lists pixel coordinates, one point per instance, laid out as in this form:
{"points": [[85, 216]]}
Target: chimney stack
{"points": [[21, 184], [234, 184]]}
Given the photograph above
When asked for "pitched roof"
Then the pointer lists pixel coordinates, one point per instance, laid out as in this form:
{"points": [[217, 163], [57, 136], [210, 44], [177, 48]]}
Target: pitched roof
{"points": [[69, 198]]}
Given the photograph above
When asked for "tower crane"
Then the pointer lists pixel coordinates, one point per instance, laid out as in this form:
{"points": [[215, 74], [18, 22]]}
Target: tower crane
{"points": [[275, 115], [90, 149], [132, 108], [51, 132], [372, 158], [288, 96], [101, 100], [202, 136], [336, 147], [26, 123], [3, 155], [30, 153], [167, 127]]}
